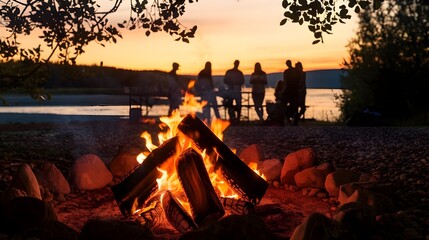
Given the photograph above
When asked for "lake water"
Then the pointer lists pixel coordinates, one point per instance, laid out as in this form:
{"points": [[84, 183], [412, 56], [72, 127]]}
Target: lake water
{"points": [[320, 101]]}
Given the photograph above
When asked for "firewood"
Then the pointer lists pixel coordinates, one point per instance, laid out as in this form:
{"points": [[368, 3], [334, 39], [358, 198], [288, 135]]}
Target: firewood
{"points": [[241, 178], [237, 206], [132, 192], [193, 176], [176, 214], [153, 213]]}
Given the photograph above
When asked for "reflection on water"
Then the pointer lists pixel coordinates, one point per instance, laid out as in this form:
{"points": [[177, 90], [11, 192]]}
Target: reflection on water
{"points": [[320, 101]]}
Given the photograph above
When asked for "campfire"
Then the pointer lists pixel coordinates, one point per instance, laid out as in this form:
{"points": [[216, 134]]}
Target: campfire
{"points": [[192, 178]]}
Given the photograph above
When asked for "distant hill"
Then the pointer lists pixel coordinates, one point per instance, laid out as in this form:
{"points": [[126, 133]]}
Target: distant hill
{"points": [[95, 77], [327, 79]]}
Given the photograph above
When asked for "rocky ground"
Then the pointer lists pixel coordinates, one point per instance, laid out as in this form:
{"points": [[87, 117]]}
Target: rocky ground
{"points": [[399, 156]]}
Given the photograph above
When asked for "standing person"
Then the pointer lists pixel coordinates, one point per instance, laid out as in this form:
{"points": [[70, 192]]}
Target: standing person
{"points": [[205, 89], [302, 89], [258, 79], [175, 90], [290, 94], [234, 79]]}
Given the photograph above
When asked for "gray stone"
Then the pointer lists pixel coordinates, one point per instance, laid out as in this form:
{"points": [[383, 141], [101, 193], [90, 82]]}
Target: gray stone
{"points": [[313, 177], [271, 169], [374, 195], [313, 192], [124, 161], [89, 172], [50, 177], [25, 180], [335, 179], [296, 162], [252, 154]]}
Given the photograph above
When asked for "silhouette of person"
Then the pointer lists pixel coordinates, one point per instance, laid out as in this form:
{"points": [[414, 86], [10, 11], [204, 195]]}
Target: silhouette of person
{"points": [[278, 91], [276, 110], [258, 79], [302, 89], [205, 88], [234, 79], [175, 90], [290, 94]]}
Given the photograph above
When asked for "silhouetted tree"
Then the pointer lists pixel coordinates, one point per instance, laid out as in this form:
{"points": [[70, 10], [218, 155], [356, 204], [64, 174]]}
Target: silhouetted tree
{"points": [[389, 63], [321, 15]]}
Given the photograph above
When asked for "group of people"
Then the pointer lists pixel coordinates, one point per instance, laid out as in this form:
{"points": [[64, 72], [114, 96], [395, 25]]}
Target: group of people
{"points": [[204, 87], [291, 91], [290, 94]]}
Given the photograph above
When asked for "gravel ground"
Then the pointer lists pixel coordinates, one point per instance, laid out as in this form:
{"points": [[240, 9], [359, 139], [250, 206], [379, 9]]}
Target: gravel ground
{"points": [[397, 155]]}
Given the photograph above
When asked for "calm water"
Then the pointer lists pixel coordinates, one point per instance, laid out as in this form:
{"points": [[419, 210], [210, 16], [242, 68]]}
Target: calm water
{"points": [[320, 101]]}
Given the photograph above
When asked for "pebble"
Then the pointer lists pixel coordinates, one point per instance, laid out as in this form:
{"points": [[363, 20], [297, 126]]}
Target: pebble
{"points": [[276, 184]]}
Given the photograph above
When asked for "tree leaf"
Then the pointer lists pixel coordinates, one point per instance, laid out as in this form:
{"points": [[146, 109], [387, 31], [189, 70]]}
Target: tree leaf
{"points": [[285, 3], [283, 22], [357, 9], [316, 41]]}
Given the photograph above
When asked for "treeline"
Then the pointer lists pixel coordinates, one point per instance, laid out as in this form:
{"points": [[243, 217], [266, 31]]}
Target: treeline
{"points": [[63, 76], [75, 78]]}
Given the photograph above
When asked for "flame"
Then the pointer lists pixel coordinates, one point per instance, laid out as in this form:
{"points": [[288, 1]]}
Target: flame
{"points": [[172, 122], [148, 138], [218, 126], [254, 167], [169, 179], [141, 157], [191, 105]]}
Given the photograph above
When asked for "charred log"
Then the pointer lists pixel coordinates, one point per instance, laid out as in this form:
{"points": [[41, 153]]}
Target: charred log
{"points": [[132, 192], [176, 214], [237, 206], [205, 204], [240, 177], [153, 213]]}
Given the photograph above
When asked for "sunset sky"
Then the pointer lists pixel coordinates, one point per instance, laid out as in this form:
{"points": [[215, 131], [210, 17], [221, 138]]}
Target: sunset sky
{"points": [[247, 30]]}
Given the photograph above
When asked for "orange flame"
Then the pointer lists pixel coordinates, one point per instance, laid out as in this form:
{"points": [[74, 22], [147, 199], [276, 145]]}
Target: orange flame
{"points": [[169, 180]]}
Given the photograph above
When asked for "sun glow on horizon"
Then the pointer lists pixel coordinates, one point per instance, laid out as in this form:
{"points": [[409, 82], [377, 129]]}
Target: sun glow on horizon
{"points": [[248, 30]]}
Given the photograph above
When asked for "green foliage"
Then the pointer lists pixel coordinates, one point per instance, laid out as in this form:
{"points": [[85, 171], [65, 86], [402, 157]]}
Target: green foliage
{"points": [[389, 63], [322, 15]]}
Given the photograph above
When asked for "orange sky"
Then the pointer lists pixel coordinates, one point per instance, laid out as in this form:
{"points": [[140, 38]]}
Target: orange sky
{"points": [[247, 30]]}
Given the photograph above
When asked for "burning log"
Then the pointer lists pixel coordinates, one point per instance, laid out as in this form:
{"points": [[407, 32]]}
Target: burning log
{"points": [[240, 177], [176, 215], [205, 204], [132, 192], [237, 206], [153, 213]]}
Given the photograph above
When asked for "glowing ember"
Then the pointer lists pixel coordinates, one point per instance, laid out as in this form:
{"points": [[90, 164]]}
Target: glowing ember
{"points": [[141, 157]]}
